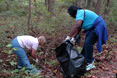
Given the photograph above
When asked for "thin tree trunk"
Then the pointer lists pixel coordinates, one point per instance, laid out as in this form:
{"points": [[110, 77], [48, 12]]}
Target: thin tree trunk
{"points": [[75, 2], [106, 10], [7, 7], [84, 3], [93, 4], [46, 4], [98, 6], [49, 5], [78, 3], [89, 4], [29, 17]]}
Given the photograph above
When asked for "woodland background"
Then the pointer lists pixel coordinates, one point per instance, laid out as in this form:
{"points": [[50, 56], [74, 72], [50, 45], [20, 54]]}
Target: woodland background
{"points": [[50, 18]]}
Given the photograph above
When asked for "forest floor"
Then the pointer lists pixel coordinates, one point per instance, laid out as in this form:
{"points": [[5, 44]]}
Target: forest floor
{"points": [[106, 61]]}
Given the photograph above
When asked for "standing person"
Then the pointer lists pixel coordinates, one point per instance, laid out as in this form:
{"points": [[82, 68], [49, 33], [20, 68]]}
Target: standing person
{"points": [[95, 28], [29, 42]]}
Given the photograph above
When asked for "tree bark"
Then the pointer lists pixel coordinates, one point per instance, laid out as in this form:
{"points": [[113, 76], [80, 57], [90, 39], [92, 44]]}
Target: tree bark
{"points": [[78, 3], [98, 6], [89, 4], [46, 4], [106, 10], [75, 2], [84, 4], [49, 5], [29, 17], [7, 7]]}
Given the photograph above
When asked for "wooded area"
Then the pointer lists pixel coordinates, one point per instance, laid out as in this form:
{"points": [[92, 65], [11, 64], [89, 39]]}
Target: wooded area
{"points": [[51, 19]]}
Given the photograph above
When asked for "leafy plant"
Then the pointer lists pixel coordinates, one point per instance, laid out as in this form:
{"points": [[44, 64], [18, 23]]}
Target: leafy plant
{"points": [[13, 63], [52, 63], [86, 74], [1, 60], [79, 49], [8, 45], [112, 40]]}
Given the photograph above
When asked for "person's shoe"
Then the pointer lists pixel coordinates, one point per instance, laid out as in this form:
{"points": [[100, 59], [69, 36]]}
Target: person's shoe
{"points": [[90, 66]]}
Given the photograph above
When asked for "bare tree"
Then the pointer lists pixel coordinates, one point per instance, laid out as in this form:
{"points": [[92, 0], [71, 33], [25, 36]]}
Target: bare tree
{"points": [[78, 3], [89, 4], [7, 5], [29, 17], [74, 2], [98, 6], [83, 3], [49, 5], [106, 10]]}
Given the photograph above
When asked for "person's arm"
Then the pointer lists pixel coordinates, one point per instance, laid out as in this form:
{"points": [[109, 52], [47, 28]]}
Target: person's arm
{"points": [[76, 29], [34, 53]]}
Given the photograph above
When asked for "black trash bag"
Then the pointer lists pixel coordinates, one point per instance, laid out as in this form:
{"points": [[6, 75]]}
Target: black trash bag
{"points": [[72, 63], [77, 38]]}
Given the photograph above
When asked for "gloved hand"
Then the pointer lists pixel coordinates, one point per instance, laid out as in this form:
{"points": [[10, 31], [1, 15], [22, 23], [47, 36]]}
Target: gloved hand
{"points": [[67, 38], [35, 60], [73, 40]]}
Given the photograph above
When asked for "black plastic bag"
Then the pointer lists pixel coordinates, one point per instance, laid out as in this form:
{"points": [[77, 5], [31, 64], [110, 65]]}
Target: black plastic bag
{"points": [[77, 38], [72, 63]]}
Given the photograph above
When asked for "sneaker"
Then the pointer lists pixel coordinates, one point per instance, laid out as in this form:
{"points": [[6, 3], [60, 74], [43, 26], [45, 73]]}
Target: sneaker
{"points": [[90, 66]]}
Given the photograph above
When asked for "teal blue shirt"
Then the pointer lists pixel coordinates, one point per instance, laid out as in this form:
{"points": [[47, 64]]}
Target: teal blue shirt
{"points": [[90, 17]]}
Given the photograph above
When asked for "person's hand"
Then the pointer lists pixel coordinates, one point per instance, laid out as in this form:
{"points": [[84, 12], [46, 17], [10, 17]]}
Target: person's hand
{"points": [[67, 38], [73, 40]]}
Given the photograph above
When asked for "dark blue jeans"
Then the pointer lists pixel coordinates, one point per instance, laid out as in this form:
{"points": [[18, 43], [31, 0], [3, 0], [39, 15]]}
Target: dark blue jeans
{"points": [[87, 51]]}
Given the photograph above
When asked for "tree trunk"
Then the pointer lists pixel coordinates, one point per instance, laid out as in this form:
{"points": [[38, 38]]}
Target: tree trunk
{"points": [[75, 2], [98, 6], [46, 4], [84, 3], [106, 10], [89, 4], [49, 5], [78, 3], [29, 17], [7, 7]]}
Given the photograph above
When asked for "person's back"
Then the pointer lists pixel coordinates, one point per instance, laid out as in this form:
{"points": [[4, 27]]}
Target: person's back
{"points": [[28, 42], [87, 16]]}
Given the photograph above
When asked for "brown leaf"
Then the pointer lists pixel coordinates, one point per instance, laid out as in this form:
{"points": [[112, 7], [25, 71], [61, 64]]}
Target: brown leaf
{"points": [[115, 71], [105, 50], [93, 77], [55, 71], [116, 52], [105, 62], [89, 76]]}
